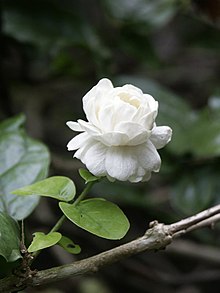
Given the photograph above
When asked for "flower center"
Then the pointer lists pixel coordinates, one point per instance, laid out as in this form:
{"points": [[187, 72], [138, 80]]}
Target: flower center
{"points": [[132, 100]]}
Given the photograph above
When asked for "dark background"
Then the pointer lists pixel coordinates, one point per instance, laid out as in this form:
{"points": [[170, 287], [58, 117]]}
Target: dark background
{"points": [[53, 52]]}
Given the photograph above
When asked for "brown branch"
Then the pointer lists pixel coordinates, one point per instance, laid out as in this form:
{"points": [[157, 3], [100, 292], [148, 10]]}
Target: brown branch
{"points": [[155, 238]]}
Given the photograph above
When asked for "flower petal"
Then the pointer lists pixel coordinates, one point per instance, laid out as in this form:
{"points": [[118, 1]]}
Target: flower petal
{"points": [[121, 162], [88, 127], [94, 159], [93, 100], [113, 139], [148, 157], [74, 126], [160, 136], [137, 133], [78, 141]]}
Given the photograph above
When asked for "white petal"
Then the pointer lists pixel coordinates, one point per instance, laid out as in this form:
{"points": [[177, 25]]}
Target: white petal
{"points": [[106, 117], [148, 157], [138, 176], [102, 86], [121, 163], [113, 138], [160, 136], [74, 126], [94, 159], [148, 120], [78, 141], [88, 127], [122, 111], [152, 103], [132, 90], [139, 139], [93, 100], [137, 133]]}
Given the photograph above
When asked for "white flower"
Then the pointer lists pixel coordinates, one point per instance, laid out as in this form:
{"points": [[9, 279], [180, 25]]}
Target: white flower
{"points": [[120, 139]]}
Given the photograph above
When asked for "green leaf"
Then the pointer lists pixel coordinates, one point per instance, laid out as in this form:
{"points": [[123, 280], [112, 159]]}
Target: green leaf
{"points": [[69, 246], [12, 124], [98, 216], [42, 240], [9, 238], [23, 161], [59, 187], [87, 176]]}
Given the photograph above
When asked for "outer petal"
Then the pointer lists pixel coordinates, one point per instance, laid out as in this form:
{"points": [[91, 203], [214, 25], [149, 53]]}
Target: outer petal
{"points": [[88, 127], [148, 157], [94, 158], [78, 141], [132, 90], [152, 103], [93, 100], [74, 126], [160, 136], [113, 138], [121, 162]]}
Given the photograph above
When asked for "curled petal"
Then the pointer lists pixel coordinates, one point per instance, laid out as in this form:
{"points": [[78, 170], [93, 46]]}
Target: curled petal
{"points": [[94, 98], [78, 141], [74, 126], [160, 136]]}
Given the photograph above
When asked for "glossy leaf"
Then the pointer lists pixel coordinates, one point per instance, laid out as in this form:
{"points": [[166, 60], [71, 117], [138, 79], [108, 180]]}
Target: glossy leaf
{"points": [[42, 240], [9, 238], [22, 161], [59, 187], [69, 246], [87, 176], [98, 216]]}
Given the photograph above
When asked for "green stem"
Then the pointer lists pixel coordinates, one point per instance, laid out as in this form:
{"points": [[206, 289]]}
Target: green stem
{"points": [[84, 192], [59, 223]]}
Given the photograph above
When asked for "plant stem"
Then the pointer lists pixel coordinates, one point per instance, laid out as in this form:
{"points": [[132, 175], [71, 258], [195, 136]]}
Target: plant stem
{"points": [[59, 223], [84, 192]]}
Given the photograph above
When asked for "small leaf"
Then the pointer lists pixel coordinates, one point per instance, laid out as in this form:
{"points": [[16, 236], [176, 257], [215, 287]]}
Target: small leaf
{"points": [[9, 238], [87, 176], [59, 187], [69, 246], [42, 240], [98, 216]]}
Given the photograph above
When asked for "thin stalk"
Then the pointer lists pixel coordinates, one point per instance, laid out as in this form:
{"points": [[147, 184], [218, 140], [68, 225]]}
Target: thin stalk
{"points": [[59, 223]]}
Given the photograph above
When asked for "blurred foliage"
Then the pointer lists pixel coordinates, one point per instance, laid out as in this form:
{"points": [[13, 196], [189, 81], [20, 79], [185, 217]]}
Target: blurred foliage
{"points": [[53, 52], [23, 160]]}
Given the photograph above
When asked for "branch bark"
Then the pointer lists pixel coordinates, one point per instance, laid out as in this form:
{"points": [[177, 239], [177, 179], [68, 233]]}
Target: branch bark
{"points": [[157, 237]]}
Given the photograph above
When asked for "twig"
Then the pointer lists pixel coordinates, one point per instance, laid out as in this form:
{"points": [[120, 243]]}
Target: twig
{"points": [[155, 238]]}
